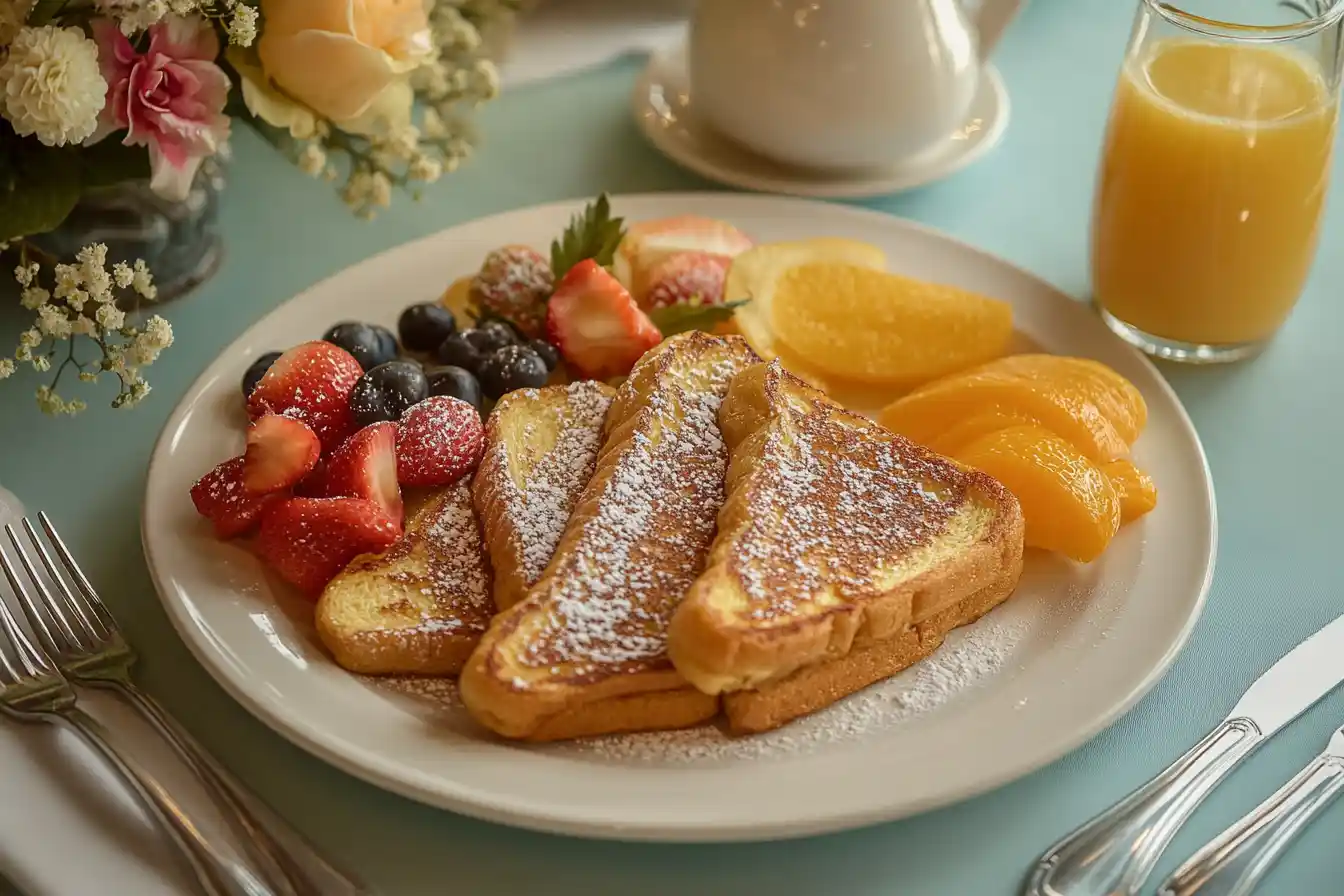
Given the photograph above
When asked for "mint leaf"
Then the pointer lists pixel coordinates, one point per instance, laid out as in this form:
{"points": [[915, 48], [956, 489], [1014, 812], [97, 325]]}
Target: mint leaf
{"points": [[676, 319], [593, 233]]}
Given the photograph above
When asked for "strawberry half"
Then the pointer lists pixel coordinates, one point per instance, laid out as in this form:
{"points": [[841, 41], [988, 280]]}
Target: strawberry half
{"points": [[221, 497], [311, 382], [307, 541], [686, 277], [596, 325], [281, 451], [366, 467]]}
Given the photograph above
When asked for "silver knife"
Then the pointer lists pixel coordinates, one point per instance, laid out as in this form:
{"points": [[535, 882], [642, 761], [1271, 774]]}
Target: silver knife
{"points": [[1234, 863], [1114, 853]]}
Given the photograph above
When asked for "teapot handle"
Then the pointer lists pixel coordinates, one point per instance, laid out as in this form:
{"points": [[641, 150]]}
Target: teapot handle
{"points": [[992, 18]]}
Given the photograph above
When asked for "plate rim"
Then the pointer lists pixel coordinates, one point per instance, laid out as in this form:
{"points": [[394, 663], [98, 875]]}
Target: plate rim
{"points": [[394, 777]]}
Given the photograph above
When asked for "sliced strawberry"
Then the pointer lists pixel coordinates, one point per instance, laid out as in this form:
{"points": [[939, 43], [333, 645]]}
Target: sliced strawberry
{"points": [[439, 441], [687, 278], [309, 540], [221, 497], [314, 485], [646, 244], [366, 467], [311, 382], [281, 451], [598, 328]]}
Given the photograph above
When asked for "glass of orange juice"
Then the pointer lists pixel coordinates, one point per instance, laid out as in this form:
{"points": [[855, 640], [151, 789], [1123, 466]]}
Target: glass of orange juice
{"points": [[1214, 173]]}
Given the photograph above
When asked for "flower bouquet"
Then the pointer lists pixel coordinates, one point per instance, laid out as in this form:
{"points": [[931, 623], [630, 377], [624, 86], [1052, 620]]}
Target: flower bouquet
{"points": [[374, 95]]}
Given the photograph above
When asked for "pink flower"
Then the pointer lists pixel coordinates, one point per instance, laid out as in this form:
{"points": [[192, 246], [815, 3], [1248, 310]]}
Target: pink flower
{"points": [[170, 98]]}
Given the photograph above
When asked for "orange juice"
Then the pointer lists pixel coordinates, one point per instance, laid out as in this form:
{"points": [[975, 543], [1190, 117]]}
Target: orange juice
{"points": [[1211, 188]]}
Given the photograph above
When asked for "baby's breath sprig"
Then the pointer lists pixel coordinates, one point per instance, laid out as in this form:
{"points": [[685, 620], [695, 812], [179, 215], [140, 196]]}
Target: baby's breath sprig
{"points": [[237, 18], [82, 302]]}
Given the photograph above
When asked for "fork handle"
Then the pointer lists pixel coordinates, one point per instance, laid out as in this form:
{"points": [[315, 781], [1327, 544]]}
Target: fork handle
{"points": [[216, 875], [1114, 853], [302, 866], [1234, 863]]}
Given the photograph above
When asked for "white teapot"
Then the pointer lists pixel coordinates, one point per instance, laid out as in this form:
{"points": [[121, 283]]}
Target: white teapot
{"points": [[839, 84]]}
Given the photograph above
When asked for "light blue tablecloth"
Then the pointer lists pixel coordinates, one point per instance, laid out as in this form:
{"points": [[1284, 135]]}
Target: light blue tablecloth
{"points": [[1272, 428]]}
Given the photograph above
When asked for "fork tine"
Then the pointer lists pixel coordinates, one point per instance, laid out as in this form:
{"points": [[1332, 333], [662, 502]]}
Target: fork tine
{"points": [[33, 661], [36, 618], [58, 608], [100, 619]]}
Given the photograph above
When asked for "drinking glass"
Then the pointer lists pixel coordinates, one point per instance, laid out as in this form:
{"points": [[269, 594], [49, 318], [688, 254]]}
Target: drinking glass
{"points": [[1214, 173]]}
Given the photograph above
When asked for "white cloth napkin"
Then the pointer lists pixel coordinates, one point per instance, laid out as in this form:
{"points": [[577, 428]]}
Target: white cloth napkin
{"points": [[56, 797]]}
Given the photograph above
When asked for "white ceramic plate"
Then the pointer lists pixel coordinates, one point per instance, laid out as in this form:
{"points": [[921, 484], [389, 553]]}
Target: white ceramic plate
{"points": [[1088, 643], [667, 114]]}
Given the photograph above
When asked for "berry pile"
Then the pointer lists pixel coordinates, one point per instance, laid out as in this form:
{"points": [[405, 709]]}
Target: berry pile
{"points": [[329, 448]]}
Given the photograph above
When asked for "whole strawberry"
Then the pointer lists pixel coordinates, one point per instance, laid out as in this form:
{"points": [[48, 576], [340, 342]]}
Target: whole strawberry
{"points": [[439, 441], [514, 283], [312, 383]]}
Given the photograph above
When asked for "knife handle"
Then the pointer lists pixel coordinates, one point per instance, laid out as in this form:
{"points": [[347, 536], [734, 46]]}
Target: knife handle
{"points": [[1234, 862], [1115, 852]]}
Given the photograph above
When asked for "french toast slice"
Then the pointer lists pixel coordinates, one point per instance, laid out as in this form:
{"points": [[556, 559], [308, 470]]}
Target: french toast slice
{"points": [[585, 652], [844, 553], [540, 451], [420, 606]]}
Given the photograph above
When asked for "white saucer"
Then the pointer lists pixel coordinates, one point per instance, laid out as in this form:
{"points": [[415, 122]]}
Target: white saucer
{"points": [[664, 109]]}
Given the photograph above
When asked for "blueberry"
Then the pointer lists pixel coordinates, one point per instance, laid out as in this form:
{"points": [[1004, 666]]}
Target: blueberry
{"points": [[488, 340], [364, 342], [549, 353], [386, 391], [388, 339], [458, 351], [422, 327], [257, 371], [503, 331], [512, 367], [455, 382]]}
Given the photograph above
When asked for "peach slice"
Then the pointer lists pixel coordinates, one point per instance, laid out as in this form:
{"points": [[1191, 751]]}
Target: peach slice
{"points": [[1067, 501], [976, 426], [883, 328], [1135, 489], [927, 413], [1116, 397], [647, 243]]}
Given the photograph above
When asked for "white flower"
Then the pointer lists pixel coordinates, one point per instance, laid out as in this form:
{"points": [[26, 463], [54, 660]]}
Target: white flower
{"points": [[109, 317], [313, 160], [34, 297], [50, 85], [143, 282], [30, 339], [158, 333], [121, 272], [433, 124], [135, 15], [425, 168], [243, 26], [53, 322], [42, 364], [24, 274], [93, 271], [6, 368]]}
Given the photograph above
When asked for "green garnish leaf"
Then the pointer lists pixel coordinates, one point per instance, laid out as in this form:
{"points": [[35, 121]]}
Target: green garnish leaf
{"points": [[593, 233], [676, 319]]}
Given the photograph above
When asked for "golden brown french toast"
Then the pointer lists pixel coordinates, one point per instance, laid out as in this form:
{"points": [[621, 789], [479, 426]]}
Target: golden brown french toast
{"points": [[844, 553], [420, 606], [540, 451], [586, 651]]}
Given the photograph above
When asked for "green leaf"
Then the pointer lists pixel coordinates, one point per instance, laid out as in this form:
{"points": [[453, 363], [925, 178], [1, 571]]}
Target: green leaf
{"points": [[593, 233], [39, 189], [109, 162], [676, 319]]}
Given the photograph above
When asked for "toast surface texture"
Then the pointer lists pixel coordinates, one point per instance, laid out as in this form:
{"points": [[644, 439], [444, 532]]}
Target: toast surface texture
{"points": [[586, 651], [419, 607], [540, 451], [844, 553]]}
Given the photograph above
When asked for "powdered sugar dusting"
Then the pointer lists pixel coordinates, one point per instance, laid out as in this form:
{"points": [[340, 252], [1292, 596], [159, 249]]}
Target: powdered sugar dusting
{"points": [[541, 508], [970, 657], [646, 528]]}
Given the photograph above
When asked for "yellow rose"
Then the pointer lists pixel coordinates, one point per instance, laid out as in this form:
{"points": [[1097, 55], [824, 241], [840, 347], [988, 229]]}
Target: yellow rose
{"points": [[347, 60]]}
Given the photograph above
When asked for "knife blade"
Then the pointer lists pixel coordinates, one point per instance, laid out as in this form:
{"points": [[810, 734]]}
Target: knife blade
{"points": [[1115, 852], [1237, 860]]}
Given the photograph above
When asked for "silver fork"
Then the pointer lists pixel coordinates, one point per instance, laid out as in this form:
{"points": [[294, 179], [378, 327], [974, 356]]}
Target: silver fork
{"points": [[32, 689], [79, 632]]}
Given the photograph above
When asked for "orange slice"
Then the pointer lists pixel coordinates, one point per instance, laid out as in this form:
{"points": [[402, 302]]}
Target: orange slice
{"points": [[927, 413], [861, 324], [1068, 503], [1135, 489]]}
